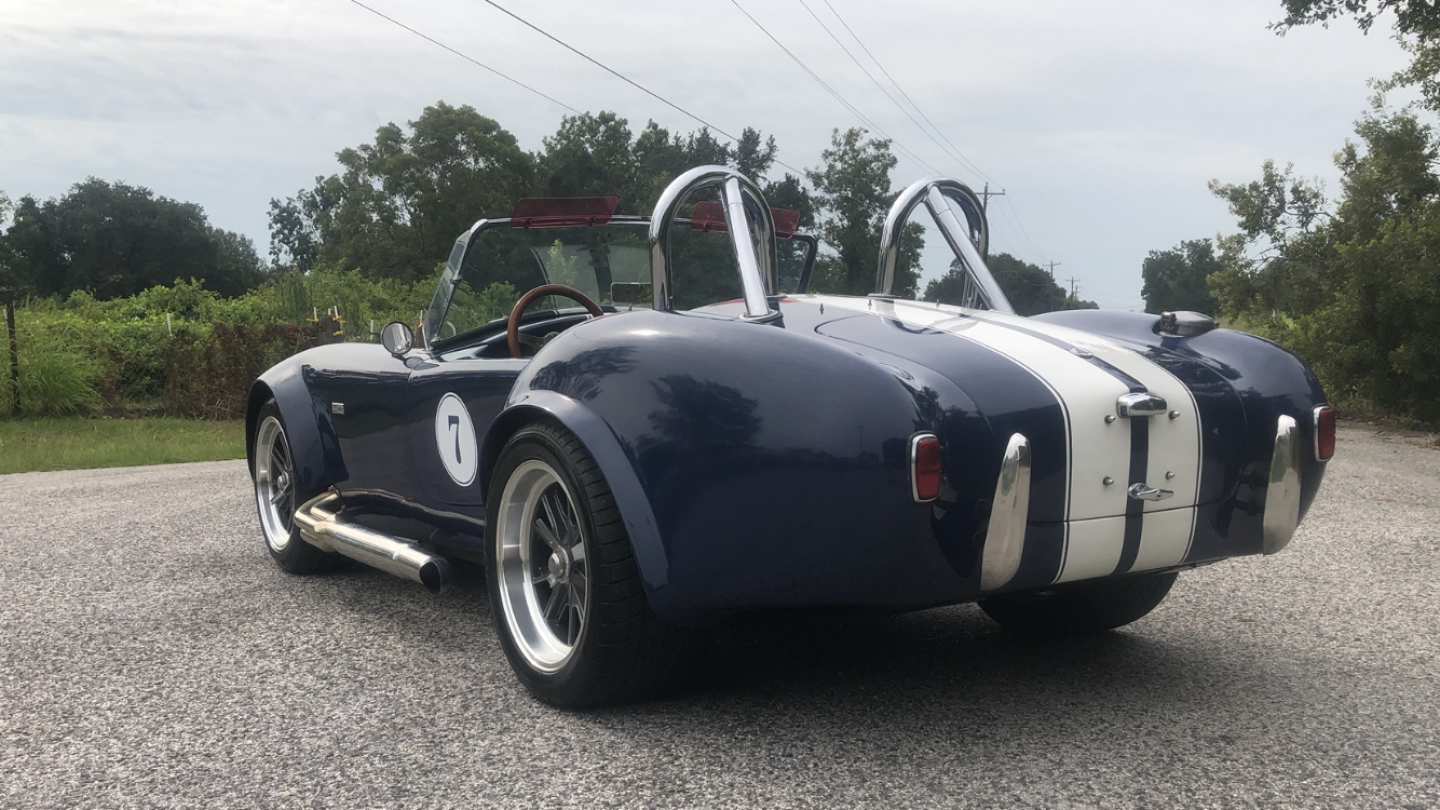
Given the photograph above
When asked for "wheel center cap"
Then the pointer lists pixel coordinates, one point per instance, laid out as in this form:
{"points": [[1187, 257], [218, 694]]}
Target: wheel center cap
{"points": [[558, 566]]}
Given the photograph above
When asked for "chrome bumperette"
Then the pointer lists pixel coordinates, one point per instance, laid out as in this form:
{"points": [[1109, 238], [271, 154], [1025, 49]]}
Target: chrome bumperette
{"points": [[935, 193], [1282, 490], [322, 526], [757, 271], [1139, 403], [1315, 431], [1009, 517]]}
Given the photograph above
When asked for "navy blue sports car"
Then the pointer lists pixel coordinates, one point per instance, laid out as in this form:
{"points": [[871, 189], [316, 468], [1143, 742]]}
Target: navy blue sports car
{"points": [[640, 424]]}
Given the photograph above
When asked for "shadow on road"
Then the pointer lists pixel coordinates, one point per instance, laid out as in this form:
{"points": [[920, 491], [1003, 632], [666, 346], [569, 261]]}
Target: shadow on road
{"points": [[875, 676]]}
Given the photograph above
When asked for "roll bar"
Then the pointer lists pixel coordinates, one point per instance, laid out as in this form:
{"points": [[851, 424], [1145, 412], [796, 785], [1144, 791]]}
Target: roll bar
{"points": [[757, 272], [968, 241]]}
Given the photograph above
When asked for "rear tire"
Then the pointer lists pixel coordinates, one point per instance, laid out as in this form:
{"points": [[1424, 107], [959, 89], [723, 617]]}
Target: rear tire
{"points": [[568, 602], [278, 495], [1090, 607]]}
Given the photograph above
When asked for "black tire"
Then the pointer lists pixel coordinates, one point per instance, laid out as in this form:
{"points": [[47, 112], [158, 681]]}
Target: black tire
{"points": [[1090, 607], [295, 556], [623, 652]]}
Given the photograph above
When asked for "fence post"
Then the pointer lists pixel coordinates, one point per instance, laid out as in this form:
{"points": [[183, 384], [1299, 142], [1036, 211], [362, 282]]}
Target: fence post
{"points": [[14, 355]]}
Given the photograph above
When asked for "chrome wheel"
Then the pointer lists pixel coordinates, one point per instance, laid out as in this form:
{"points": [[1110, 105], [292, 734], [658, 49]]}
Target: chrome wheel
{"points": [[274, 484], [542, 569]]}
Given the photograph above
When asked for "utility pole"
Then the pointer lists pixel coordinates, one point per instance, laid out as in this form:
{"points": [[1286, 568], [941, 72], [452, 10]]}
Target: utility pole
{"points": [[1052, 266], [987, 194], [1072, 287]]}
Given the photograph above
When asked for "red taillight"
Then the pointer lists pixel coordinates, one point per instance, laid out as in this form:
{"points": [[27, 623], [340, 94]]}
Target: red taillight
{"points": [[925, 472], [1324, 432]]}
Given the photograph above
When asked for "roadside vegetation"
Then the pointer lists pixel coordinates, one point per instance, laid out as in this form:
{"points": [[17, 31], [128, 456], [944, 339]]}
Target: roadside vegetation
{"points": [[1349, 279], [70, 443]]}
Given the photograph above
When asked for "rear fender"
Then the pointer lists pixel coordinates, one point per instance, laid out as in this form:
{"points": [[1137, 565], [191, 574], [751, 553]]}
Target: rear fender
{"points": [[527, 407]]}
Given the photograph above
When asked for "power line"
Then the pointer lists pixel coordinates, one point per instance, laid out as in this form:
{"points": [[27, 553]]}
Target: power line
{"points": [[1024, 234], [958, 153], [622, 77], [832, 91], [876, 82], [612, 71], [472, 60]]}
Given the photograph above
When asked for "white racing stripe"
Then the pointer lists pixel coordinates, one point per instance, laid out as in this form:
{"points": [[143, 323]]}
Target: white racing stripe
{"points": [[1175, 444], [1087, 392]]}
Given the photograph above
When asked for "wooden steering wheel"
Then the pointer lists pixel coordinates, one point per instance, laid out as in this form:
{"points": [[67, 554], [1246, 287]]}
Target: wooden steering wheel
{"points": [[512, 327]]}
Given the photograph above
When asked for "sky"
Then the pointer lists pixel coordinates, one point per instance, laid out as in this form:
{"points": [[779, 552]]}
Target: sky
{"points": [[1102, 121]]}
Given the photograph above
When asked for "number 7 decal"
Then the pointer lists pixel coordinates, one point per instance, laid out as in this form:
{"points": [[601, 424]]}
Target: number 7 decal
{"points": [[455, 440]]}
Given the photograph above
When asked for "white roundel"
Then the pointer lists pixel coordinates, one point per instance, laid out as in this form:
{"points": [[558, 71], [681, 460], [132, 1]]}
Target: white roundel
{"points": [[455, 439]]}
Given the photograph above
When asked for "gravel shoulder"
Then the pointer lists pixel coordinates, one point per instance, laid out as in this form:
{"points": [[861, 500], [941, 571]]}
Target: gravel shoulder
{"points": [[152, 656]]}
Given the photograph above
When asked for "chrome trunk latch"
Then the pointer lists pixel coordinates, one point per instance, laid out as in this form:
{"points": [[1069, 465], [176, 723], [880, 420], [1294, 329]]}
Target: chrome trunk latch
{"points": [[1145, 492], [1139, 404]]}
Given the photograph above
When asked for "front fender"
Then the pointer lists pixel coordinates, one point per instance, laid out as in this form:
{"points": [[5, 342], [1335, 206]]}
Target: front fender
{"points": [[308, 429]]}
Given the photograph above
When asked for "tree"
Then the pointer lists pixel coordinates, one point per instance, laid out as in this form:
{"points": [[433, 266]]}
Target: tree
{"points": [[1351, 285], [592, 154], [398, 202], [1029, 287], [852, 196], [114, 240], [1417, 28], [1178, 278]]}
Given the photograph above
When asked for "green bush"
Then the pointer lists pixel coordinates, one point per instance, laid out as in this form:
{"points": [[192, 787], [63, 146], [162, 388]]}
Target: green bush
{"points": [[56, 383], [183, 350]]}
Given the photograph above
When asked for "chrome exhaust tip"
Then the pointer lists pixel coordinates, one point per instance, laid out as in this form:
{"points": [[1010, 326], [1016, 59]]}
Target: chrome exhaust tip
{"points": [[322, 526]]}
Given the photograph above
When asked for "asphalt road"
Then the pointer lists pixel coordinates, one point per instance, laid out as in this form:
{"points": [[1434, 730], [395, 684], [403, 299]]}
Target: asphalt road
{"points": [[152, 656]]}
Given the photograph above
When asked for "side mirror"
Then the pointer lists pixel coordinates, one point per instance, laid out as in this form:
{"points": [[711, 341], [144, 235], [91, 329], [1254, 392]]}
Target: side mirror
{"points": [[397, 338]]}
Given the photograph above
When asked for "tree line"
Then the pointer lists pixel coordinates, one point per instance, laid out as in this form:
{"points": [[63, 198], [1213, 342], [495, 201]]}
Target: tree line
{"points": [[397, 202], [1348, 279]]}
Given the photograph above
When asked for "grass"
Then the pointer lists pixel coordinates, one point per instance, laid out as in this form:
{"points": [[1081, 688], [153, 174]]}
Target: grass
{"points": [[72, 443]]}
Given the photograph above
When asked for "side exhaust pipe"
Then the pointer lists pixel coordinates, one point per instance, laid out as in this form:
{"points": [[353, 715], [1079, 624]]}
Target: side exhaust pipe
{"points": [[322, 527]]}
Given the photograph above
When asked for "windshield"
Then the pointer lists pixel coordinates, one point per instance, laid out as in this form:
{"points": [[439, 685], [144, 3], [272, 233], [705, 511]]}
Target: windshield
{"points": [[610, 263]]}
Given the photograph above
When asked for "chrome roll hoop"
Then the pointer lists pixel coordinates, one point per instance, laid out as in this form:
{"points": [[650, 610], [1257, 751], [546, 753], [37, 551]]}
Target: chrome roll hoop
{"points": [[747, 217], [968, 241]]}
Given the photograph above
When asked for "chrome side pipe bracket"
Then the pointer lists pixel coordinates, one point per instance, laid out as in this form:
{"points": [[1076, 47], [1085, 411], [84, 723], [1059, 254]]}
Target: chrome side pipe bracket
{"points": [[323, 526], [1009, 517]]}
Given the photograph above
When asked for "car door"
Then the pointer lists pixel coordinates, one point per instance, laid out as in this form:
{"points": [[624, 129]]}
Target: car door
{"points": [[454, 402], [362, 392]]}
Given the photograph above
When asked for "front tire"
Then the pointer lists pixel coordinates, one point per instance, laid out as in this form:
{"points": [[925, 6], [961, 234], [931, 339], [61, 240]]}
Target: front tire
{"points": [[277, 496], [568, 602], [1089, 607]]}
